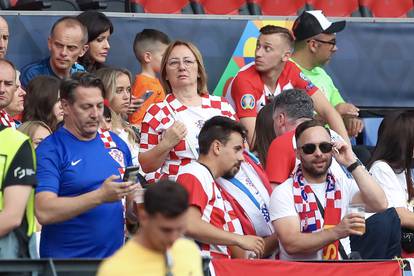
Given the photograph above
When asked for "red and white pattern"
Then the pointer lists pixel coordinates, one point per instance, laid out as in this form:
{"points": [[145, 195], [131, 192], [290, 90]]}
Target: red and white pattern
{"points": [[159, 118], [213, 202], [106, 138], [6, 120], [248, 85]]}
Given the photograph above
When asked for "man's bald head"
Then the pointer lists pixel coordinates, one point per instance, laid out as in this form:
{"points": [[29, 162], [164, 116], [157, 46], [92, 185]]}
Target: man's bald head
{"points": [[4, 37]]}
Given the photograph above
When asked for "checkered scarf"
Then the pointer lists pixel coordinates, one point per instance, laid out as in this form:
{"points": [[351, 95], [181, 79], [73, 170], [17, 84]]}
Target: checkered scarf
{"points": [[309, 213], [6, 120]]}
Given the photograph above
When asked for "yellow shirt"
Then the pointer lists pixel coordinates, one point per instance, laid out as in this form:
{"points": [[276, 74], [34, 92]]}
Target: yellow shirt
{"points": [[134, 259]]}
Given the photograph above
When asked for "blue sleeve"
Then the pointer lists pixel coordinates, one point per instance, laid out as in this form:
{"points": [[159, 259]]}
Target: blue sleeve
{"points": [[48, 173], [26, 76]]}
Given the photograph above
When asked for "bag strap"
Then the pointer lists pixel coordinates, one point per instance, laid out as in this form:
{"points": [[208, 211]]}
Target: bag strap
{"points": [[340, 247]]}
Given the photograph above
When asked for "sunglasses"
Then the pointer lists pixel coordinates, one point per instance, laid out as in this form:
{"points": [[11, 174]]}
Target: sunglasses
{"points": [[324, 147]]}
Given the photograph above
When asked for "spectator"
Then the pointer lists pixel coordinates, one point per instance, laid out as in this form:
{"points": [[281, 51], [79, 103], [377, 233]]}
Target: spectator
{"points": [[4, 37], [309, 224], [212, 221], [99, 29], [16, 191], [16, 106], [149, 47], [315, 44], [391, 163], [66, 43], [43, 101], [7, 89], [170, 128], [158, 249], [75, 217], [36, 130], [264, 133], [117, 83], [270, 74]]}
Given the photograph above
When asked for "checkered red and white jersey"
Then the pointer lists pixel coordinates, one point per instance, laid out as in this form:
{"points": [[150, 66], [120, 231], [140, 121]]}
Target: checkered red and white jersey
{"points": [[248, 94], [213, 203], [158, 119]]}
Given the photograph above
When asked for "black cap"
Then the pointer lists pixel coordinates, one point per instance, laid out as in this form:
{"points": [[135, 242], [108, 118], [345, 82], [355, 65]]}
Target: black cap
{"points": [[311, 23]]}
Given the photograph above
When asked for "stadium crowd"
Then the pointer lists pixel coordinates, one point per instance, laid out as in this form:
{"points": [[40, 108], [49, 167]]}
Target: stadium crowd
{"points": [[269, 171]]}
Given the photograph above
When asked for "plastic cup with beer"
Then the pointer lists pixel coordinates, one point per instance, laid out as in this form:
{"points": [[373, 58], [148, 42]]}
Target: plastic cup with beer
{"points": [[357, 208]]}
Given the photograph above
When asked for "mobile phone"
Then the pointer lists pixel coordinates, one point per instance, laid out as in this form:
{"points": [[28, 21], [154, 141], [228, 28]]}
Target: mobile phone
{"points": [[131, 174], [147, 94]]}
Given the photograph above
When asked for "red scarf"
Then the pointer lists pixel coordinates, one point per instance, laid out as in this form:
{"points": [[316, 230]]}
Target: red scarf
{"points": [[6, 120], [309, 213]]}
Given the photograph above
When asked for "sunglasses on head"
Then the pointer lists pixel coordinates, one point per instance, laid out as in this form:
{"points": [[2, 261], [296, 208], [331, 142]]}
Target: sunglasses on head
{"points": [[324, 147]]}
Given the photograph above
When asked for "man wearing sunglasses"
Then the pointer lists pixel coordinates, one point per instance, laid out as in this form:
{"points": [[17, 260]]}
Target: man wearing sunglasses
{"points": [[309, 210], [314, 47]]}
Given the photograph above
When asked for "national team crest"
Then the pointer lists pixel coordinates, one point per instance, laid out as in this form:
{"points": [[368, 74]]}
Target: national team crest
{"points": [[247, 101], [118, 156]]}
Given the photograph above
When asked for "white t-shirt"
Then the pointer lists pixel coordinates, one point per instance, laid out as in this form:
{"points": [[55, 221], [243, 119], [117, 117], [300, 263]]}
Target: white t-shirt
{"points": [[393, 184], [282, 205]]}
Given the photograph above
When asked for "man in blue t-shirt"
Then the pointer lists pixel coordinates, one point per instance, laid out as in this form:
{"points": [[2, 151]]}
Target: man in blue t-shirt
{"points": [[66, 43], [78, 198]]}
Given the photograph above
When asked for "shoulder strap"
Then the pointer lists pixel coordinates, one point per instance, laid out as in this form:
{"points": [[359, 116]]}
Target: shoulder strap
{"points": [[340, 247]]}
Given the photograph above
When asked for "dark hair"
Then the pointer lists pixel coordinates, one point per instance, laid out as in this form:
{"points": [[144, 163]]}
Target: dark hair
{"points": [[295, 103], [395, 145], [167, 198], [264, 132], [144, 41], [81, 79], [283, 32], [308, 124], [218, 128], [41, 96], [71, 21], [96, 23]]}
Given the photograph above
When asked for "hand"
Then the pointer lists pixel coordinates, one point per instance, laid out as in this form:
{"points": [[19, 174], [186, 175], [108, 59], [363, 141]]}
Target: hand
{"points": [[134, 104], [347, 109], [343, 153], [174, 134], [112, 191], [252, 243], [353, 125], [348, 225]]}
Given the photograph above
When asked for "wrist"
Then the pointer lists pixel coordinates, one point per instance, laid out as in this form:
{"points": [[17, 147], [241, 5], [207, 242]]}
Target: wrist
{"points": [[352, 166]]}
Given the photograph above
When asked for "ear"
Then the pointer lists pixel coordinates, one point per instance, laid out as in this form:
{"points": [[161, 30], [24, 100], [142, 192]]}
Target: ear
{"points": [[142, 214], [286, 56], [65, 105], [49, 43], [313, 46], [147, 57], [216, 147], [84, 50]]}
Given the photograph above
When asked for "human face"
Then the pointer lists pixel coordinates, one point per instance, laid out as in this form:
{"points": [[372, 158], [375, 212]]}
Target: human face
{"points": [[120, 100], [231, 155], [39, 135], [82, 117], [58, 111], [16, 106], [324, 48], [161, 232], [7, 84], [315, 166], [99, 48], [4, 37], [65, 46], [182, 68], [156, 57], [271, 52]]}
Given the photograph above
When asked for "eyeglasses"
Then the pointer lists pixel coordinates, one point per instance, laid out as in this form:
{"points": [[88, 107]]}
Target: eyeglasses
{"points": [[175, 63], [310, 148], [330, 42]]}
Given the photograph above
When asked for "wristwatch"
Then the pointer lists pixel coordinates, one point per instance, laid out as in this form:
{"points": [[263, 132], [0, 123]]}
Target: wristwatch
{"points": [[354, 165]]}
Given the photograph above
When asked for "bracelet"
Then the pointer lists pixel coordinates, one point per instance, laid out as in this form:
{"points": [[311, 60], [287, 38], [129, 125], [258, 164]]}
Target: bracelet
{"points": [[354, 165]]}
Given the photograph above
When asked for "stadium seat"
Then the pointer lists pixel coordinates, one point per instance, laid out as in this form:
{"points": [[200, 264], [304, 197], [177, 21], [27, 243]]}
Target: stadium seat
{"points": [[220, 7], [105, 5], [47, 5], [277, 7], [161, 6], [338, 8], [387, 8]]}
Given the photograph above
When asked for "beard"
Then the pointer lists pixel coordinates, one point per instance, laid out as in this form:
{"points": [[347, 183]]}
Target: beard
{"points": [[315, 172], [232, 172]]}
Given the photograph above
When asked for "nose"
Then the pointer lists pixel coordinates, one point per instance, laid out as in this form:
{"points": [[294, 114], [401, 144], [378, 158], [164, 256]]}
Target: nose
{"points": [[107, 45], [335, 48], [2, 43], [64, 52], [258, 52], [94, 112]]}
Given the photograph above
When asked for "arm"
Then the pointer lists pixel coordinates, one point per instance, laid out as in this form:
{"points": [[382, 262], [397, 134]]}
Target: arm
{"points": [[406, 217], [50, 208], [349, 113], [249, 123], [329, 114], [15, 201], [153, 159], [207, 233]]}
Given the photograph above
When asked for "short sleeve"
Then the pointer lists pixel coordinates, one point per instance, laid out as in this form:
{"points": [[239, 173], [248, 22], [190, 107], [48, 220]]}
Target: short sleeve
{"points": [[48, 173], [244, 96], [22, 170], [281, 202], [196, 194], [280, 161], [336, 97], [301, 81]]}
